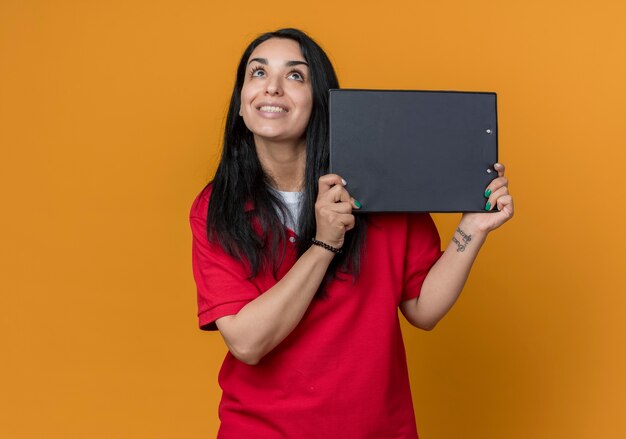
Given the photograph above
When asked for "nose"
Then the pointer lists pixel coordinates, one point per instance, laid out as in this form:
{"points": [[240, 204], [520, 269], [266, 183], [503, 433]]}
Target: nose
{"points": [[273, 87]]}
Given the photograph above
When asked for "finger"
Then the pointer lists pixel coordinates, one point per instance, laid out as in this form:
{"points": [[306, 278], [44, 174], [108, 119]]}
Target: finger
{"points": [[355, 203], [347, 220], [342, 207], [328, 181], [335, 194], [493, 198], [496, 184], [499, 167], [337, 225], [505, 204]]}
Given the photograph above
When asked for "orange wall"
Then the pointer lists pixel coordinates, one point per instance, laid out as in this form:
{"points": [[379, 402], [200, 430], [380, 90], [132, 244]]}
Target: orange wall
{"points": [[110, 121]]}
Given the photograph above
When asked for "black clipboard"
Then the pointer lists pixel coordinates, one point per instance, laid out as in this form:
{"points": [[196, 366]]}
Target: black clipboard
{"points": [[414, 151]]}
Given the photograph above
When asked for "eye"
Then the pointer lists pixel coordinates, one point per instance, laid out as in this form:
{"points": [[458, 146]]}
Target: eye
{"points": [[257, 71], [295, 74]]}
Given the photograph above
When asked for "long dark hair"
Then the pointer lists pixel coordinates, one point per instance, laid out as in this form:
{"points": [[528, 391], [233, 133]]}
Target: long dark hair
{"points": [[240, 179]]}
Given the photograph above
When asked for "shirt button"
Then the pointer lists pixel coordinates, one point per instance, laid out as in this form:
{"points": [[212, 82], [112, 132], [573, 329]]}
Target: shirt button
{"points": [[292, 239]]}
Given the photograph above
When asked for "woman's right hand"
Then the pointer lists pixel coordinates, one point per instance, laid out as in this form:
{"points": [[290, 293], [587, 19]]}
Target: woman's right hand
{"points": [[333, 210]]}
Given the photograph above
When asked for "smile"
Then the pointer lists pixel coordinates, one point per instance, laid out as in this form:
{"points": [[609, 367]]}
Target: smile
{"points": [[272, 109]]}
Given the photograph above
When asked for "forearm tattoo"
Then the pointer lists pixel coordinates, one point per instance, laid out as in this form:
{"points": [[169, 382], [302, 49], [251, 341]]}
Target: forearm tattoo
{"points": [[464, 236]]}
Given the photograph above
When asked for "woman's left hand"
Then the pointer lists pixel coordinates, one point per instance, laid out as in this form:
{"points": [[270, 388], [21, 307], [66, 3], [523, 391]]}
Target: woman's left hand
{"points": [[497, 197]]}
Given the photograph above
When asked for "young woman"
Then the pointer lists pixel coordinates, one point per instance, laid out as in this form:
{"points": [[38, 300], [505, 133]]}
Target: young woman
{"points": [[304, 292]]}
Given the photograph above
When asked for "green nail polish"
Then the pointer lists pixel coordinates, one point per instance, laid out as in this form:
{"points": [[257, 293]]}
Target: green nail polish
{"points": [[487, 192], [357, 204], [488, 206]]}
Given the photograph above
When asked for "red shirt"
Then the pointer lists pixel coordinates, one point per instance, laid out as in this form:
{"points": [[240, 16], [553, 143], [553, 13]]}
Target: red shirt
{"points": [[342, 372]]}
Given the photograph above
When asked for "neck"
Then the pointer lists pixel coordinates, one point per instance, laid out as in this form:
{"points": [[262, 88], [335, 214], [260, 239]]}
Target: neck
{"points": [[284, 162]]}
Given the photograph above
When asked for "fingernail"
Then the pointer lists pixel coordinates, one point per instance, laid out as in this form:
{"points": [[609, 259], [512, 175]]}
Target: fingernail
{"points": [[357, 204], [488, 206], [344, 182], [487, 192]]}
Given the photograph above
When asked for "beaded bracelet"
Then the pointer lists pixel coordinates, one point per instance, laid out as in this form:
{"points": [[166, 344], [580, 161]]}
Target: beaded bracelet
{"points": [[326, 246]]}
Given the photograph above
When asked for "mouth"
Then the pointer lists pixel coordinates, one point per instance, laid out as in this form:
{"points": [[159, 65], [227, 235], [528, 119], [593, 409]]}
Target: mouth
{"points": [[272, 109]]}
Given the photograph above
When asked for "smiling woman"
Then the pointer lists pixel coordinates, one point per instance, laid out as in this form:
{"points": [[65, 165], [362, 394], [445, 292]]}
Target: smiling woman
{"points": [[276, 102], [308, 312]]}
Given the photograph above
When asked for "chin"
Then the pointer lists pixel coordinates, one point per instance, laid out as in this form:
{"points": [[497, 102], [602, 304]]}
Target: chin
{"points": [[276, 136]]}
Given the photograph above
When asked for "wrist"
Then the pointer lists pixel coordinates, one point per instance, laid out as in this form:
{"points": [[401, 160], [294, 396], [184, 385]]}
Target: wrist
{"points": [[326, 246], [321, 253], [468, 225], [468, 236]]}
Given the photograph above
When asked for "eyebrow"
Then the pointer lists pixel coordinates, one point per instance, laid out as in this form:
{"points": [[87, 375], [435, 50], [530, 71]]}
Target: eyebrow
{"points": [[288, 63]]}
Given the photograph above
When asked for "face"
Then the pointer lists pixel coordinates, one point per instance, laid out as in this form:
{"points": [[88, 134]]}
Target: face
{"points": [[276, 97]]}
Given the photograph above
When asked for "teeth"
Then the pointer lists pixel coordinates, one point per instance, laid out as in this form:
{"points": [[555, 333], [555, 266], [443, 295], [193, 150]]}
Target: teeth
{"points": [[270, 109]]}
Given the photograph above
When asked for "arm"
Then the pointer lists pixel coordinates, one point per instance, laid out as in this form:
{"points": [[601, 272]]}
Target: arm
{"points": [[448, 275], [265, 321], [444, 282]]}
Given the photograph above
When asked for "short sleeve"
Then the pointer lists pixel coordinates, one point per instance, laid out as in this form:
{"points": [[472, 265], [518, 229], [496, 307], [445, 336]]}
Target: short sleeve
{"points": [[423, 250], [222, 282]]}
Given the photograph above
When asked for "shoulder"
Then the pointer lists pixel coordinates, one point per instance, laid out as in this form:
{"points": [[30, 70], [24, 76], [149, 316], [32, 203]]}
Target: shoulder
{"points": [[200, 205]]}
